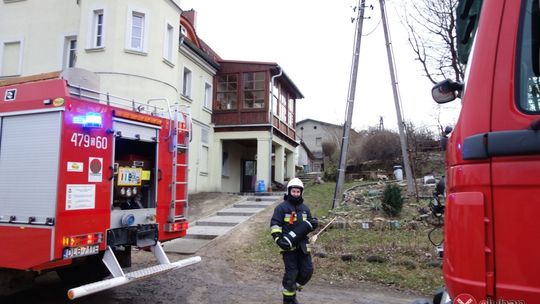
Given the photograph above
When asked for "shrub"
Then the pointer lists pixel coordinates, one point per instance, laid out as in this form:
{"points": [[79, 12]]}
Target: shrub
{"points": [[330, 173], [392, 201]]}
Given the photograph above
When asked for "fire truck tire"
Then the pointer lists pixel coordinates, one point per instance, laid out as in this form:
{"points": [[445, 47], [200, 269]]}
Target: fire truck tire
{"points": [[90, 270]]}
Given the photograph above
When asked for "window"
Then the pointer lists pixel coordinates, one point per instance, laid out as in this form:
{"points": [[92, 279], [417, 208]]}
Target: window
{"points": [[183, 31], [290, 103], [70, 52], [186, 83], [207, 95], [283, 106], [10, 58], [168, 43], [203, 161], [275, 99], [227, 95], [137, 31], [98, 29], [204, 136], [528, 77], [254, 90]]}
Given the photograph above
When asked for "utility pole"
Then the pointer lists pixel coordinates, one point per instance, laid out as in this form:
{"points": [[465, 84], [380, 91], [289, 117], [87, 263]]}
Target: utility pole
{"points": [[350, 104], [404, 151]]}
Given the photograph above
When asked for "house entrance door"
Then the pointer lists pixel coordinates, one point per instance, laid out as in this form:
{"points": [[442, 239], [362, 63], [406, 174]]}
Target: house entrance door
{"points": [[249, 174]]}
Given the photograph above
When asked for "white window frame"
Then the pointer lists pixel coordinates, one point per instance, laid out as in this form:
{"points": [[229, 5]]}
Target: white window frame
{"points": [[66, 50], [168, 42], [93, 29], [144, 33], [21, 47], [187, 81], [208, 95]]}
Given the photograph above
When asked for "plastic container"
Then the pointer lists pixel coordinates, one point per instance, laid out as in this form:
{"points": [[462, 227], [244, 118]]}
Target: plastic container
{"points": [[398, 173], [261, 187]]}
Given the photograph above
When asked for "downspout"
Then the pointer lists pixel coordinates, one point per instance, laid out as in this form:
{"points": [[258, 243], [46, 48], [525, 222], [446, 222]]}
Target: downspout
{"points": [[271, 121]]}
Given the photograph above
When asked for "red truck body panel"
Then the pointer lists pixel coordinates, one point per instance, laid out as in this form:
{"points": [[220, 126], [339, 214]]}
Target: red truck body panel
{"points": [[491, 233], [90, 152]]}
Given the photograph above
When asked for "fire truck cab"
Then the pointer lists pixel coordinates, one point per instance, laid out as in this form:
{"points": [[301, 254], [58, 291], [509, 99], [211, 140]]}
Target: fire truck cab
{"points": [[84, 178], [493, 157]]}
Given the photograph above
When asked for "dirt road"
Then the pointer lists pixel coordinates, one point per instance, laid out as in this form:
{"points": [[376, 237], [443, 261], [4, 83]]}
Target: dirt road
{"points": [[221, 277]]}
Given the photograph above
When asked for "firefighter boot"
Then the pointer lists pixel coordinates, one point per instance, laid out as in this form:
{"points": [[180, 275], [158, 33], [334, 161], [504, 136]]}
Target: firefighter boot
{"points": [[290, 299]]}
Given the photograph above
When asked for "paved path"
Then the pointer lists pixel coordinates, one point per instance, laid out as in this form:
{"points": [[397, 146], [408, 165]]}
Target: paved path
{"points": [[204, 230]]}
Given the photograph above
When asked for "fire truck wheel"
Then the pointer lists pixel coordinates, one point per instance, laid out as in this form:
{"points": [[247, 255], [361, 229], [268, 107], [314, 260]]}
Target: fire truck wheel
{"points": [[90, 270]]}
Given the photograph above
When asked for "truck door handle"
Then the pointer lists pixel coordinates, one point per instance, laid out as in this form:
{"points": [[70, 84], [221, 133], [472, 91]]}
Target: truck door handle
{"points": [[160, 175], [501, 143]]}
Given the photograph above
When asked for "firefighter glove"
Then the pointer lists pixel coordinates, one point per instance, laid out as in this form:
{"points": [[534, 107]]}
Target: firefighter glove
{"points": [[314, 222], [284, 243]]}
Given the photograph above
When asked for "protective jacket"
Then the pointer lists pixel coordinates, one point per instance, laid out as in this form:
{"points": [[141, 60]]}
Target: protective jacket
{"points": [[293, 222]]}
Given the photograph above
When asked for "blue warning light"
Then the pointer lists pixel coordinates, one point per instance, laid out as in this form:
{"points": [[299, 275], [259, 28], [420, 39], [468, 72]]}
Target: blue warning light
{"points": [[90, 120]]}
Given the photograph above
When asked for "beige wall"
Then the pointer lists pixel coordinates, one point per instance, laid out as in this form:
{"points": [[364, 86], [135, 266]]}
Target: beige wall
{"points": [[202, 73], [128, 73], [237, 152], [42, 25], [231, 183], [41, 32]]}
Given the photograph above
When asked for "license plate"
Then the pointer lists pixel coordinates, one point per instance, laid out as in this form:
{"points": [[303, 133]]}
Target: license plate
{"points": [[80, 251]]}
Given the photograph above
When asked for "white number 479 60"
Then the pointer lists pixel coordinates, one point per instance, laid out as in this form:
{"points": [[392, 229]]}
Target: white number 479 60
{"points": [[86, 141]]}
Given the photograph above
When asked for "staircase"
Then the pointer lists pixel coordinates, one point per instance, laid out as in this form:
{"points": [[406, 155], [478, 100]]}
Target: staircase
{"points": [[205, 230]]}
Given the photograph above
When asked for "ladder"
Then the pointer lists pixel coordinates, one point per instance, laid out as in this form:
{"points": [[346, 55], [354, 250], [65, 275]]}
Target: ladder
{"points": [[179, 144]]}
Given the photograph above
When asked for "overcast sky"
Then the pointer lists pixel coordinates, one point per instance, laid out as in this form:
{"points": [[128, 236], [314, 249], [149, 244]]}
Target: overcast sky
{"points": [[312, 40]]}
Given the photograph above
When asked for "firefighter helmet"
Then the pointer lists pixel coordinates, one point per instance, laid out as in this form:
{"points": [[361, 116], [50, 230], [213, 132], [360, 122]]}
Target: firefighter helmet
{"points": [[295, 183]]}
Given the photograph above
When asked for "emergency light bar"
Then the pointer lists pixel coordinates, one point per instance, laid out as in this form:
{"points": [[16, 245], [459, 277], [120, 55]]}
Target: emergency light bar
{"points": [[90, 120], [137, 117]]}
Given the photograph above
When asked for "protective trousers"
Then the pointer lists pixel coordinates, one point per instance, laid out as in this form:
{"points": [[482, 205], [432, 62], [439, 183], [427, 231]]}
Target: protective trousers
{"points": [[298, 269]]}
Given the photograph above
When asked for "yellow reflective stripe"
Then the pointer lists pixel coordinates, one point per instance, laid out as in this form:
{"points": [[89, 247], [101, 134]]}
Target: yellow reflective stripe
{"points": [[288, 218], [304, 217], [291, 249], [288, 293], [276, 230]]}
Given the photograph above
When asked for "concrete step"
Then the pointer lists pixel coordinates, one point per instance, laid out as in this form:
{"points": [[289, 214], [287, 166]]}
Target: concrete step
{"points": [[238, 211], [206, 232], [257, 198], [221, 220], [185, 246], [252, 204]]}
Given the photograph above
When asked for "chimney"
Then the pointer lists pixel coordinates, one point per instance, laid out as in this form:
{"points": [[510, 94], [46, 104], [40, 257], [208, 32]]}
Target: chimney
{"points": [[191, 16]]}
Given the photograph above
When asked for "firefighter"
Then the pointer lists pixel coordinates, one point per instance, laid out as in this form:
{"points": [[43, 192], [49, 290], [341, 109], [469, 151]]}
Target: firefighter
{"points": [[290, 224]]}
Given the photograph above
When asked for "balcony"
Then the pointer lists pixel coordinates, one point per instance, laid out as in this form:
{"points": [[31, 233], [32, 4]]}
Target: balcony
{"points": [[243, 91]]}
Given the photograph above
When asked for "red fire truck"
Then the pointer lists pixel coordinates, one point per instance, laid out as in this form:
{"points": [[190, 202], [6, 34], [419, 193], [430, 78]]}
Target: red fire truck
{"points": [[491, 245], [84, 178]]}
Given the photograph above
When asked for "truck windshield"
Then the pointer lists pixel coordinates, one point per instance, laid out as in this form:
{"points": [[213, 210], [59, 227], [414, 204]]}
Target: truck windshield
{"points": [[528, 67]]}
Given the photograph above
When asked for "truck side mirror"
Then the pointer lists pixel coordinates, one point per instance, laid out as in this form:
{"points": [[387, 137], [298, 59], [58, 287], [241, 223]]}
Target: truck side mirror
{"points": [[446, 91]]}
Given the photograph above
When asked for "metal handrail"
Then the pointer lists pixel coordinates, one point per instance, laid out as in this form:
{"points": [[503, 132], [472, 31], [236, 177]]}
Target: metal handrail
{"points": [[110, 99]]}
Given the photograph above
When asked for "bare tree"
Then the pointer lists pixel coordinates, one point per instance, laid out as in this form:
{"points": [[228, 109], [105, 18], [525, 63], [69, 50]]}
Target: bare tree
{"points": [[329, 148], [431, 25]]}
